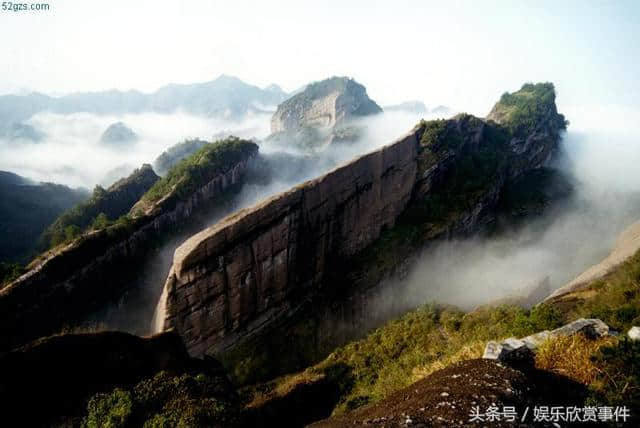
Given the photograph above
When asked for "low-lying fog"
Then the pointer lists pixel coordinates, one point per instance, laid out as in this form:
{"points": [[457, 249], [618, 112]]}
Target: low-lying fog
{"points": [[601, 155], [278, 168], [71, 151]]}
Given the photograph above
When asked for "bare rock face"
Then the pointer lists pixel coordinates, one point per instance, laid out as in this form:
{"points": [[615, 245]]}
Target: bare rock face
{"points": [[323, 105], [245, 270], [510, 350], [256, 266]]}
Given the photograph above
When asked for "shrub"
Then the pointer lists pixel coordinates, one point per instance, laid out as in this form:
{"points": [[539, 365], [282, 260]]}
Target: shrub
{"points": [[190, 172], [165, 401], [618, 378], [541, 317], [111, 410]]}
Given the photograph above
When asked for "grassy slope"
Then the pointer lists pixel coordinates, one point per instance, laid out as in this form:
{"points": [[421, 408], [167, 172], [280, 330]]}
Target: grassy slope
{"points": [[409, 349], [434, 336]]}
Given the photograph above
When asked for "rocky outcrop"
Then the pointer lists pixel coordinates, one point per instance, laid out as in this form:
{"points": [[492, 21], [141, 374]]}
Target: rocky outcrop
{"points": [[323, 105], [258, 265], [69, 282], [245, 270], [514, 350]]}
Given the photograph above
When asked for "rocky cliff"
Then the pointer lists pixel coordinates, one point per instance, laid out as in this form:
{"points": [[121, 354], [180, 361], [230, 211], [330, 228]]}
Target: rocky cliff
{"points": [[245, 269], [257, 266], [309, 117], [72, 280], [324, 104]]}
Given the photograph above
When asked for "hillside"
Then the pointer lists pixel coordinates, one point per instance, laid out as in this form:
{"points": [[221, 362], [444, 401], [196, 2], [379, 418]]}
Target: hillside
{"points": [[65, 286], [425, 344], [26, 209], [176, 153], [187, 176], [104, 206]]}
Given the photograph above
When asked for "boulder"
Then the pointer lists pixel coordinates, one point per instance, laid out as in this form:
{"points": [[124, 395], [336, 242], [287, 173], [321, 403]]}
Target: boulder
{"points": [[534, 340], [592, 328], [510, 350], [634, 333], [521, 350]]}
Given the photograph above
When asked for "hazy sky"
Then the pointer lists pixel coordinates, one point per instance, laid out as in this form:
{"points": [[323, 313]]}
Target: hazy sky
{"points": [[463, 54]]}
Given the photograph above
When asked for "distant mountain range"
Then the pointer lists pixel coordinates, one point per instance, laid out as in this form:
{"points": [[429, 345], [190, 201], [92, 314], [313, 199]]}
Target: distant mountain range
{"points": [[418, 107], [226, 96]]}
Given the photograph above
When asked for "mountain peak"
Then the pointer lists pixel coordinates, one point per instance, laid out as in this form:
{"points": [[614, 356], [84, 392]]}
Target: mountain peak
{"points": [[324, 104]]}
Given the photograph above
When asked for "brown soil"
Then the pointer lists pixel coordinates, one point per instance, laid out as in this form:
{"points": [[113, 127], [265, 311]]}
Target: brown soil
{"points": [[446, 397]]}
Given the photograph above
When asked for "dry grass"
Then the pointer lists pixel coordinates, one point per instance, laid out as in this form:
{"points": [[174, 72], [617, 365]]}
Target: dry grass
{"points": [[280, 387], [571, 356], [467, 352]]}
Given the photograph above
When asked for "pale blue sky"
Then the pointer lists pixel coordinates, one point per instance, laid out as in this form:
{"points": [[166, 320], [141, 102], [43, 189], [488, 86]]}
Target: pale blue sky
{"points": [[463, 54]]}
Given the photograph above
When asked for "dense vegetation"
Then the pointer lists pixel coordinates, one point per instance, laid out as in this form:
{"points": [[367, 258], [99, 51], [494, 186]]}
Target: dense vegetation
{"points": [[102, 209], [197, 169], [176, 153], [164, 401], [26, 209], [522, 111]]}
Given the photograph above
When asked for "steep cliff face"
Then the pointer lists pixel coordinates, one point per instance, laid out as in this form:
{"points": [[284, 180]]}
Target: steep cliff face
{"points": [[324, 104], [257, 266], [71, 281], [246, 269]]}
